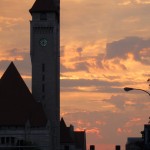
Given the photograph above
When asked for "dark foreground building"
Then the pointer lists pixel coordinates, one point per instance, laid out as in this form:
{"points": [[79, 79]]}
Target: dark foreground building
{"points": [[32, 121], [23, 123], [70, 139], [135, 143]]}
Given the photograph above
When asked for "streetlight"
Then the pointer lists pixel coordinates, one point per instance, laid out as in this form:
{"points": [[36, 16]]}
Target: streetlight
{"points": [[127, 89]]}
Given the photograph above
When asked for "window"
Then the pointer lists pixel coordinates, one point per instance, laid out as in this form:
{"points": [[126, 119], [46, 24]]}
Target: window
{"points": [[43, 77], [43, 16], [43, 67], [12, 140], [43, 96], [22, 143], [7, 140], [148, 137], [2, 140], [66, 147], [43, 88]]}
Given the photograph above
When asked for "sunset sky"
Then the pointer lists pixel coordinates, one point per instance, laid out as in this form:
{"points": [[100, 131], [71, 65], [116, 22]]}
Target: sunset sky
{"points": [[105, 46]]}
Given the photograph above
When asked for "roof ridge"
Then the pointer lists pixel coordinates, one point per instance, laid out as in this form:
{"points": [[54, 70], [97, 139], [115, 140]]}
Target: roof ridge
{"points": [[62, 122], [17, 98], [12, 74], [10, 67], [43, 6]]}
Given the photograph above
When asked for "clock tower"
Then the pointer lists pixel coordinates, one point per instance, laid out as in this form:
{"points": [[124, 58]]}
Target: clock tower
{"points": [[45, 49]]}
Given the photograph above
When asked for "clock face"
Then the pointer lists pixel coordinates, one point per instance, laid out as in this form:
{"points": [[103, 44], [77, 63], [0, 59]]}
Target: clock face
{"points": [[43, 42]]}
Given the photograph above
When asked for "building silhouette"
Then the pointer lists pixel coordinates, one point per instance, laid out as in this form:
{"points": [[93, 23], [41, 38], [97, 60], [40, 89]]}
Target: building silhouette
{"points": [[140, 143], [117, 147], [31, 121], [70, 139], [135, 143], [23, 122], [45, 51], [146, 136]]}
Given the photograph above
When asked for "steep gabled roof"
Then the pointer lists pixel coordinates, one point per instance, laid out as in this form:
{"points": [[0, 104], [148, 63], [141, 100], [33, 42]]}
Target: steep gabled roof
{"points": [[17, 105], [62, 123], [69, 136], [65, 134], [43, 6]]}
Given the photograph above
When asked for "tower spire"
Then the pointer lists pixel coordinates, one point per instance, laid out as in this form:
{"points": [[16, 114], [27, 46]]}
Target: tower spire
{"points": [[44, 6]]}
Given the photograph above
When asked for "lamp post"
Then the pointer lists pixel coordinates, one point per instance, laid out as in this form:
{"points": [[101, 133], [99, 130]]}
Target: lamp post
{"points": [[145, 134], [127, 89]]}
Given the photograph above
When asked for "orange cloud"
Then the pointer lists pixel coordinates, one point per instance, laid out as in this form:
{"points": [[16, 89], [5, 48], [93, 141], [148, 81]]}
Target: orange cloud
{"points": [[119, 130], [100, 122], [136, 121], [10, 21], [142, 1], [131, 20], [79, 122], [93, 131], [12, 55], [123, 130], [26, 77], [79, 129], [125, 3]]}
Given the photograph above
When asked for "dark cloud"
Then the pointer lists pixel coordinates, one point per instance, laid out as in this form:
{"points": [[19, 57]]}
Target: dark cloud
{"points": [[110, 77], [119, 64], [118, 101], [99, 59], [63, 68], [101, 86], [122, 101], [147, 75], [79, 50], [87, 82], [82, 66], [139, 47], [78, 66]]}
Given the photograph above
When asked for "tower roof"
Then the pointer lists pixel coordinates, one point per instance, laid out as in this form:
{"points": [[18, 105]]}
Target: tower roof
{"points": [[43, 6], [68, 135], [65, 134], [62, 123], [17, 105]]}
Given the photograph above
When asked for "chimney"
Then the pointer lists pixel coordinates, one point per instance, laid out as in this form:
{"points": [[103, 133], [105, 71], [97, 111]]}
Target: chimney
{"points": [[118, 147], [92, 147]]}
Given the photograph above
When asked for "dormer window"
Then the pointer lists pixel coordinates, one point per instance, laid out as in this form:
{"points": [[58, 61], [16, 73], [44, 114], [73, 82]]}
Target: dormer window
{"points": [[43, 16]]}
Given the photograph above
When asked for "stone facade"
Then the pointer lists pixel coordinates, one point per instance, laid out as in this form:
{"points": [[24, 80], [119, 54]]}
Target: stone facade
{"points": [[23, 122], [70, 139], [33, 120], [23, 137], [45, 39]]}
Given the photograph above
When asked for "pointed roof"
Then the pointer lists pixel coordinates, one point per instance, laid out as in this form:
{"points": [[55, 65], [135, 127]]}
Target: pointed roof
{"points": [[17, 105], [65, 136], [62, 123], [69, 136], [43, 6]]}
